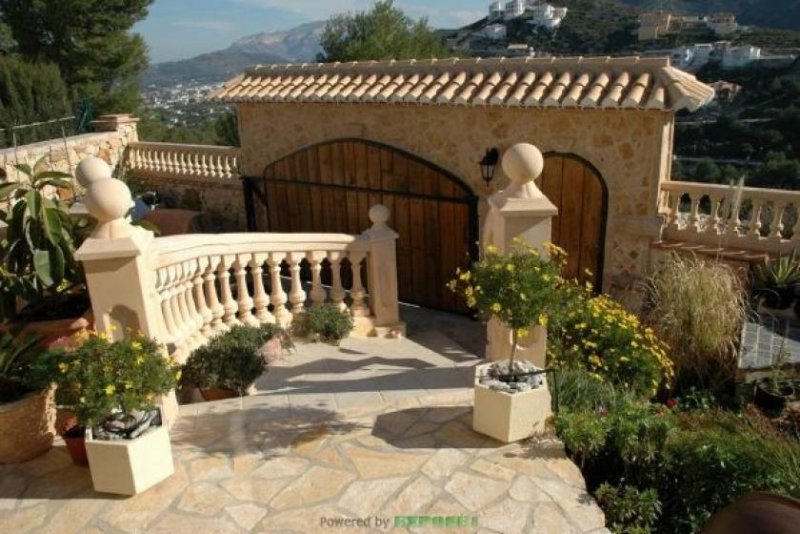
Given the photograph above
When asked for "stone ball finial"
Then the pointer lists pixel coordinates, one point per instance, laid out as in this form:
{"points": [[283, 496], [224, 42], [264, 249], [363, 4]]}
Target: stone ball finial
{"points": [[522, 163], [108, 200], [92, 169], [379, 214]]}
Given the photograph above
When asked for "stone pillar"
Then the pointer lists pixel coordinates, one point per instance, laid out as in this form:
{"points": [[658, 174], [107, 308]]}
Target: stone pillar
{"points": [[382, 275], [123, 123], [521, 211], [117, 260]]}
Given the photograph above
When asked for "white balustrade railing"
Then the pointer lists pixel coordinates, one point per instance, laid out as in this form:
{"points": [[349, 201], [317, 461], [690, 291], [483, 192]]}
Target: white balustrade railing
{"points": [[184, 289], [167, 160], [207, 283], [722, 217]]}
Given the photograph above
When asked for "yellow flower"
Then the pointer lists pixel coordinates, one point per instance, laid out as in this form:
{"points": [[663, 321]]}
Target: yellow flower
{"points": [[510, 267], [63, 367], [110, 389], [594, 359], [522, 332], [491, 249], [178, 374], [465, 276], [136, 346], [128, 384], [543, 319], [139, 360], [496, 307]]}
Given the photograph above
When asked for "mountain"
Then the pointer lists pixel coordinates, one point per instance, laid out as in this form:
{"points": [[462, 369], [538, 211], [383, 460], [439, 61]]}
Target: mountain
{"points": [[298, 45], [780, 14]]}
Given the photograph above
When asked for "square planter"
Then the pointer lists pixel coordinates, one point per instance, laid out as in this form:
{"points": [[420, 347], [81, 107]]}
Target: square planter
{"points": [[509, 417], [128, 467]]}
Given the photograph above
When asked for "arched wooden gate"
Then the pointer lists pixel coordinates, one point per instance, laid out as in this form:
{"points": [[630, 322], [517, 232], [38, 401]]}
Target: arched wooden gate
{"points": [[329, 187], [580, 194]]}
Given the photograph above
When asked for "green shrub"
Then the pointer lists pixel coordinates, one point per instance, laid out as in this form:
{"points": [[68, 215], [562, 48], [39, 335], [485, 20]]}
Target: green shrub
{"points": [[98, 377], [597, 334], [697, 307], [629, 510], [326, 322], [575, 390], [232, 360], [584, 433], [18, 354]]}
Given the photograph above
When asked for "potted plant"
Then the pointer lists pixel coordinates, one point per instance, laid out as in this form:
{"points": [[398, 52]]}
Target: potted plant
{"points": [[111, 386], [37, 264], [326, 322], [772, 392], [228, 365], [777, 281], [512, 400], [27, 413]]}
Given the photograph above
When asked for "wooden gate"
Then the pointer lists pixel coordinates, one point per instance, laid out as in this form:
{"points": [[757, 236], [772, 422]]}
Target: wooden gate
{"points": [[330, 187], [580, 195]]}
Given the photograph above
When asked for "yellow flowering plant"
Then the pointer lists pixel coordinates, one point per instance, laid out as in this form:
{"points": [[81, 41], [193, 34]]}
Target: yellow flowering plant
{"points": [[96, 377], [595, 333], [518, 287]]}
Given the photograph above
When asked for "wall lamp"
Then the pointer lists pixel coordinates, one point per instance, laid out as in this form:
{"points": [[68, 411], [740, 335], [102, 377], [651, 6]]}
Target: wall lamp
{"points": [[488, 164]]}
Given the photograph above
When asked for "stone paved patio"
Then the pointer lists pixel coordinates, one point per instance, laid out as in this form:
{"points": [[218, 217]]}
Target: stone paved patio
{"points": [[370, 429]]}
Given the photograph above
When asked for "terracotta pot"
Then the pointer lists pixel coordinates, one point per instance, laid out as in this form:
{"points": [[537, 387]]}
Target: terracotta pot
{"points": [[56, 330], [76, 447], [65, 421], [28, 427], [214, 394]]}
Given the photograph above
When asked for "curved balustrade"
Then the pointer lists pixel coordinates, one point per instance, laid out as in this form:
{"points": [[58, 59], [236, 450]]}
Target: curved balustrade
{"points": [[167, 160], [747, 218], [208, 283]]}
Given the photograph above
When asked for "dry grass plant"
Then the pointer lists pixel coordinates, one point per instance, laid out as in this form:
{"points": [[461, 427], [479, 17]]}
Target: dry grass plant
{"points": [[698, 308]]}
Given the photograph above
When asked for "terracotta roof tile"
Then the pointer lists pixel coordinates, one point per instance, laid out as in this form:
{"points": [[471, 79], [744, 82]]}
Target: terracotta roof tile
{"points": [[597, 82]]}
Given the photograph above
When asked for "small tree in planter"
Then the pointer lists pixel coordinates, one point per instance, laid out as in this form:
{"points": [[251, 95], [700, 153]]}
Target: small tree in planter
{"points": [[111, 387], [520, 289]]}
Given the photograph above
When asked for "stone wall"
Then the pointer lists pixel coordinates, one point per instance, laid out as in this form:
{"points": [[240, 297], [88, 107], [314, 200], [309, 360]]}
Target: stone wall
{"points": [[631, 150], [113, 134]]}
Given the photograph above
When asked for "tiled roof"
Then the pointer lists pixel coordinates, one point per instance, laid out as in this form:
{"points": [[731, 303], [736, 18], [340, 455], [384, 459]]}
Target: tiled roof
{"points": [[597, 82]]}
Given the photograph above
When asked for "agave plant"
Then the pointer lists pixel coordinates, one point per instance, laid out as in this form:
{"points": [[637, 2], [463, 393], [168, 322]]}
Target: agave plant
{"points": [[37, 255], [782, 273]]}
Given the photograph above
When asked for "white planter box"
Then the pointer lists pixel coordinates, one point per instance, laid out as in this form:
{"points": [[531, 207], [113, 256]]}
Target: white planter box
{"points": [[509, 417], [128, 467]]}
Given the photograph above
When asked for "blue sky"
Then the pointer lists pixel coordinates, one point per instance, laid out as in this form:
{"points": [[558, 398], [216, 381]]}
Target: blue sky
{"points": [[178, 29]]}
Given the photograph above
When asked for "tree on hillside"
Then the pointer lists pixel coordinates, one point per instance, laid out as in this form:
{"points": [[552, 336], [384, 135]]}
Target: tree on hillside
{"points": [[30, 92], [88, 40], [383, 32]]}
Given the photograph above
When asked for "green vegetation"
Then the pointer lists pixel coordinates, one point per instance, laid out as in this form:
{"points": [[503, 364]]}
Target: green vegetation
{"points": [[30, 92], [326, 322], [18, 352], [90, 43], [222, 131], [383, 32]]}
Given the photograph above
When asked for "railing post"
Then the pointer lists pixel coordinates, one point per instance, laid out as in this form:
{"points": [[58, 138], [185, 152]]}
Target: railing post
{"points": [[521, 211], [116, 258], [382, 275]]}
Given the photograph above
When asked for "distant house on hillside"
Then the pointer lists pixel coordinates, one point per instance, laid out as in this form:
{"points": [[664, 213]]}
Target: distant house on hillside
{"points": [[539, 13], [656, 24], [740, 56]]}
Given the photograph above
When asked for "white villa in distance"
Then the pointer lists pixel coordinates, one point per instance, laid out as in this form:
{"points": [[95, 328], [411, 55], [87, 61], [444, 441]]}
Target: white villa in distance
{"points": [[541, 14]]}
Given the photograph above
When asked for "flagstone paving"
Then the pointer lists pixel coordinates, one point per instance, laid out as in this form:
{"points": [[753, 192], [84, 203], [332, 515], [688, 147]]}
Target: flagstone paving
{"points": [[303, 451]]}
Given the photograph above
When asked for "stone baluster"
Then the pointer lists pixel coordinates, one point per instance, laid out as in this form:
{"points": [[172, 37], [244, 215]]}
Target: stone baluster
{"points": [[297, 297], [337, 292], [358, 308], [674, 213], [755, 220], [776, 225], [278, 295], [226, 168], [203, 165], [317, 293], [734, 221], [229, 305], [382, 272], [214, 304], [189, 273], [694, 213], [260, 298], [182, 328], [162, 290], [206, 316], [714, 218], [242, 295]]}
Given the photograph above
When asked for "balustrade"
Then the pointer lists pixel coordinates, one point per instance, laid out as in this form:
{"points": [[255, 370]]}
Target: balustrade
{"points": [[166, 160], [746, 218]]}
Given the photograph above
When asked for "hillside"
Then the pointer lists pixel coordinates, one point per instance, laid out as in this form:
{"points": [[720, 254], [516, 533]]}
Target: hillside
{"points": [[299, 44], [783, 14]]}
